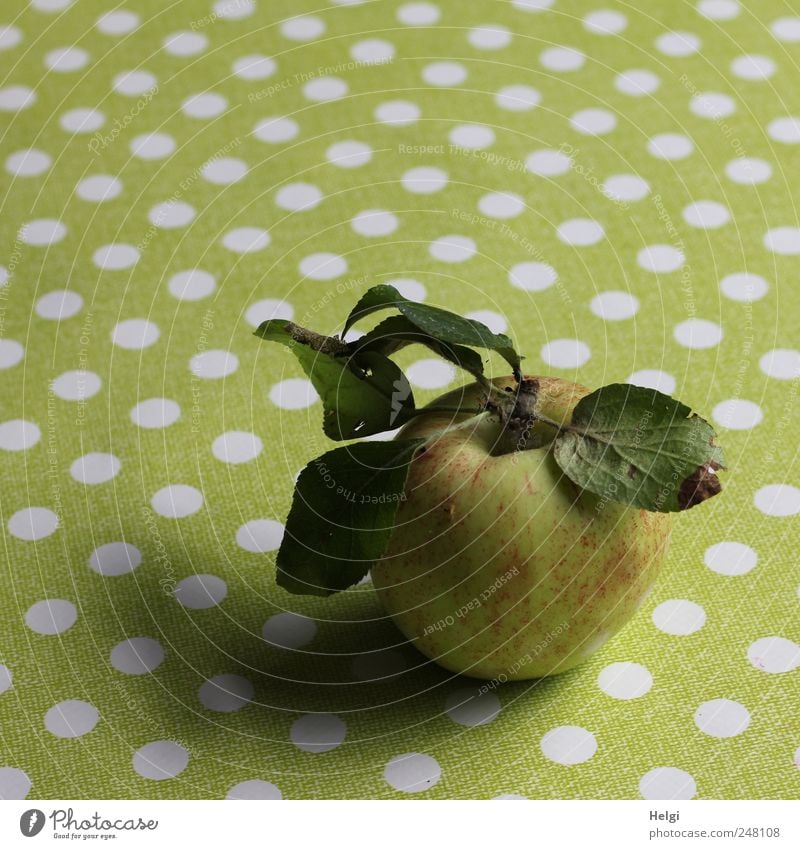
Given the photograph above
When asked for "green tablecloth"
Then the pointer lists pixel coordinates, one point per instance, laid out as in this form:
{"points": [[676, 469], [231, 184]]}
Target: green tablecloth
{"points": [[615, 184]]}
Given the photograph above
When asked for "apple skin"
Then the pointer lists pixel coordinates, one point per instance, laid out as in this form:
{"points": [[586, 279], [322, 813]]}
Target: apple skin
{"points": [[499, 566]]}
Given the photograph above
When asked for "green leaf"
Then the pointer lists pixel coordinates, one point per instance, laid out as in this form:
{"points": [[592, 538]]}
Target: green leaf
{"points": [[436, 323], [342, 515], [361, 394], [641, 447], [397, 332]]}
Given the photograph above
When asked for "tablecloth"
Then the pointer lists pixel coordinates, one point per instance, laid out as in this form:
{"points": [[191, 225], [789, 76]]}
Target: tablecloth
{"points": [[612, 183]]}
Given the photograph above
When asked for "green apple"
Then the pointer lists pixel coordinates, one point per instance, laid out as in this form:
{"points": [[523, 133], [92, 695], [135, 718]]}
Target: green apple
{"points": [[499, 566]]}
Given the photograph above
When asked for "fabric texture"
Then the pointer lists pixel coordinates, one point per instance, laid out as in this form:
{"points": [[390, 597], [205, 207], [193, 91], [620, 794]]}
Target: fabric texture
{"points": [[614, 184]]}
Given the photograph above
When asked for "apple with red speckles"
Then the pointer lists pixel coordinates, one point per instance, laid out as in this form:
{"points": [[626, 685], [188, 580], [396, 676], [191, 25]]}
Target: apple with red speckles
{"points": [[499, 566]]}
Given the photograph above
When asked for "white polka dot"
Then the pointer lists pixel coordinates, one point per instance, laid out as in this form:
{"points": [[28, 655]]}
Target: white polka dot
{"points": [[568, 745], [276, 130], [697, 333], [412, 772], [13, 98], [653, 379], [226, 693], [10, 36], [565, 353], [4, 276], [200, 592], [532, 276], [626, 187], [562, 59], [71, 718], [730, 558], [177, 501], [670, 146], [372, 51], [171, 214], [185, 43], [6, 679], [11, 353], [678, 44], [33, 523], [667, 782], [42, 232], [411, 289], [323, 266], [753, 67], [444, 73], [237, 446], [605, 22], [593, 122], [194, 284], [774, 655], [268, 309], [152, 146], [134, 83], [296, 393], [501, 205], [712, 105], [349, 154], [510, 797], [778, 499], [706, 214], [49, 6], [318, 732], [660, 258], [471, 708], [118, 22], [489, 37], [234, 10], [324, 89], [115, 257], [51, 616], [472, 136], [14, 783], [64, 60], [255, 66], [298, 197], [424, 181], [374, 222], [155, 413], [161, 759], [718, 10], [548, 163], [430, 374], [59, 305], [493, 320], [783, 240], [785, 130], [99, 188], [737, 414], [18, 435], [418, 14], [781, 363], [255, 790], [289, 630], [748, 171], [625, 680], [615, 306], [246, 240], [518, 98], [95, 468], [679, 617], [224, 171], [204, 105], [28, 163], [115, 558], [636, 82], [786, 29], [398, 113], [722, 718], [137, 655], [580, 232], [303, 28], [76, 385], [135, 333]]}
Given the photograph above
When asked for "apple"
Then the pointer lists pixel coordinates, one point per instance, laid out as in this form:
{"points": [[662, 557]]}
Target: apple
{"points": [[499, 566]]}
